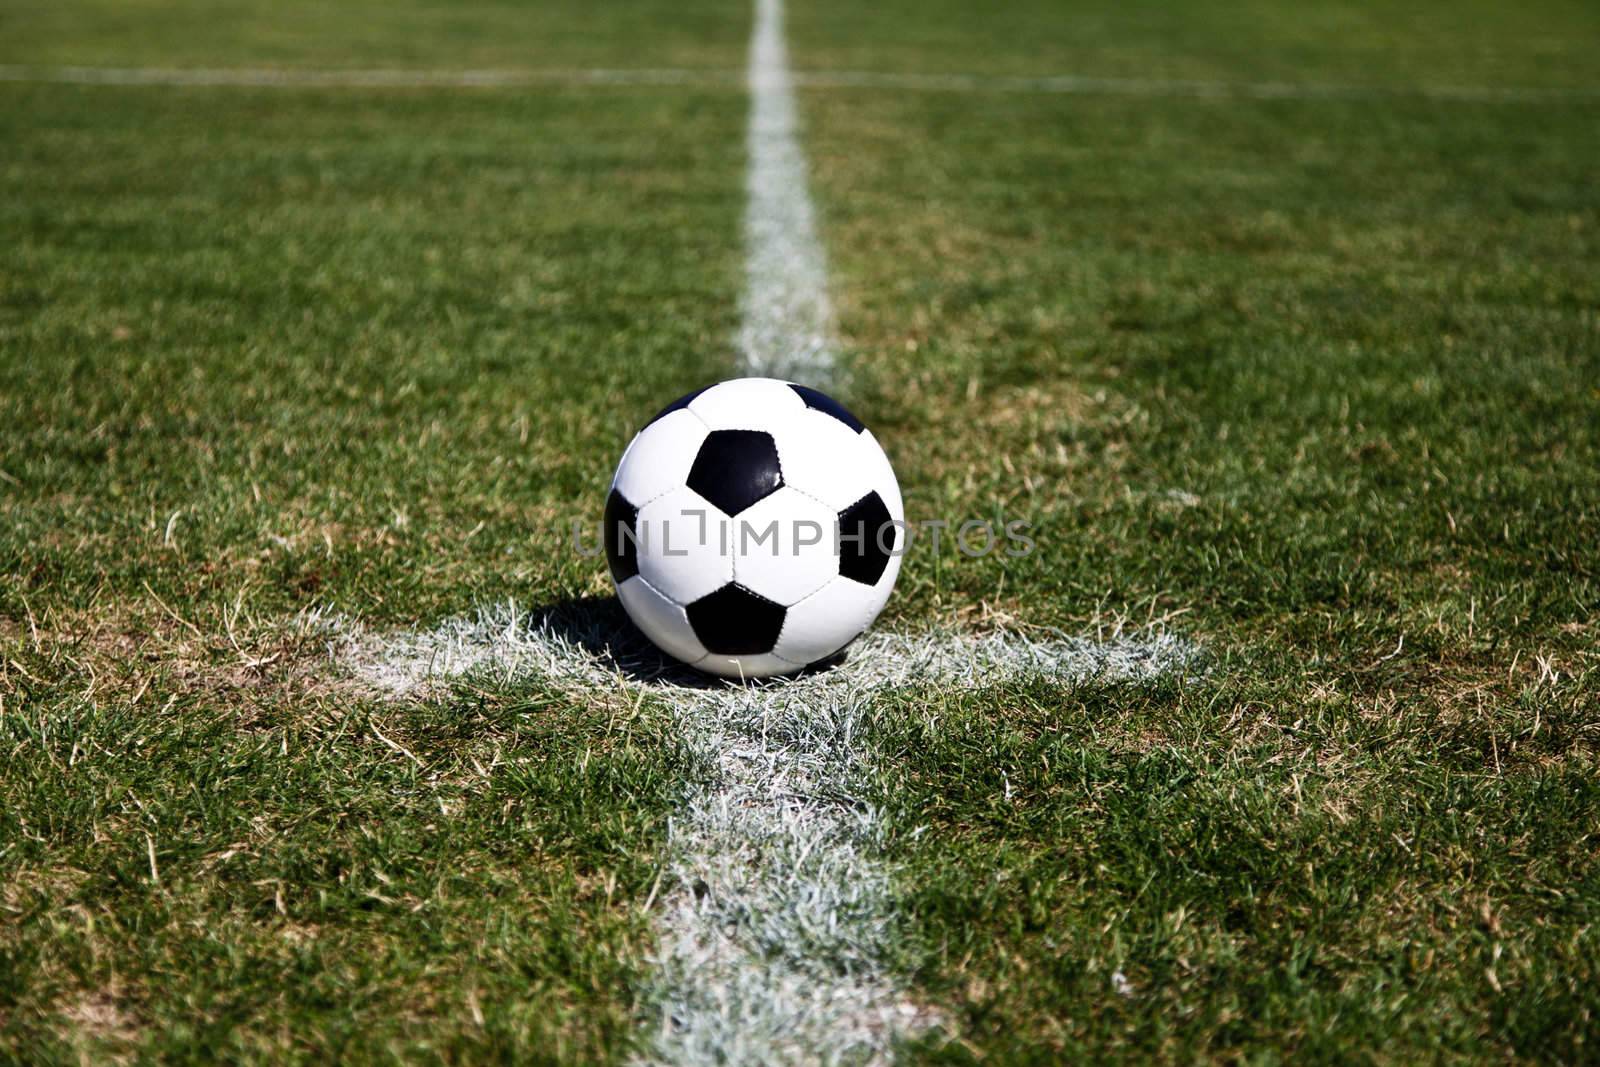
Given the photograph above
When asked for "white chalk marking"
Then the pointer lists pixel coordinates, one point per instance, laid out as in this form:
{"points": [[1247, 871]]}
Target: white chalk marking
{"points": [[307, 78], [711, 77], [1177, 87], [787, 319], [773, 938], [592, 647], [774, 935]]}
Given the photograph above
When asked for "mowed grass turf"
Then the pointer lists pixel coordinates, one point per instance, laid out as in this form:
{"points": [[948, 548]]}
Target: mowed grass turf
{"points": [[1313, 382], [264, 351], [413, 34], [1358, 43]]}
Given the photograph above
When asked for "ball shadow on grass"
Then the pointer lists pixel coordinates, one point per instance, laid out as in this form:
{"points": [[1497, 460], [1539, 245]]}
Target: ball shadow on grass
{"points": [[600, 627]]}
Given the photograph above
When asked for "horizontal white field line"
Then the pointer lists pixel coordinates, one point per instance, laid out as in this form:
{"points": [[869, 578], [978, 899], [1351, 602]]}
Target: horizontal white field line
{"points": [[711, 77], [1183, 87], [298, 78]]}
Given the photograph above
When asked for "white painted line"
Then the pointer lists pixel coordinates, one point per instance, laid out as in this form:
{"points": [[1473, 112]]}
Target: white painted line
{"points": [[585, 649], [1169, 87], [787, 319], [299, 78], [773, 938], [295, 78]]}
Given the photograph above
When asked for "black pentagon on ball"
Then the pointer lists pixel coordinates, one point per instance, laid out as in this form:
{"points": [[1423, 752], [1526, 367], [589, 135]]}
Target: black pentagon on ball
{"points": [[828, 406], [679, 404], [733, 621], [866, 538], [621, 531], [736, 468]]}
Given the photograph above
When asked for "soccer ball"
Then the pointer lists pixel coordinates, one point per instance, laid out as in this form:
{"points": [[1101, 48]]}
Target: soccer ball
{"points": [[754, 528]]}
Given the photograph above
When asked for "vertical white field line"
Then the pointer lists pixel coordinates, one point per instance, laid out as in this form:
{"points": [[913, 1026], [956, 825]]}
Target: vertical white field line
{"points": [[773, 941], [787, 319]]}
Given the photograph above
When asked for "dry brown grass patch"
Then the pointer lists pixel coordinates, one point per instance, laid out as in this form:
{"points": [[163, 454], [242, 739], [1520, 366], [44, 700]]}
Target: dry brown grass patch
{"points": [[97, 1016], [136, 651]]}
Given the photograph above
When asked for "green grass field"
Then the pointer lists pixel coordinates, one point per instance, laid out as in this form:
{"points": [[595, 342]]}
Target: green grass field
{"points": [[1312, 381]]}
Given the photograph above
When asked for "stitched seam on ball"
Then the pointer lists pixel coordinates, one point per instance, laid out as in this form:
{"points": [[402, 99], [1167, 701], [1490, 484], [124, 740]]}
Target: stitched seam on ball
{"points": [[813, 496], [777, 454], [648, 585], [734, 549], [640, 507], [697, 416]]}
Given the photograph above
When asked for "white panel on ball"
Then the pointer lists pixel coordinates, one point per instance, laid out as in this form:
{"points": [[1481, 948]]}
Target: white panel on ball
{"points": [[876, 461], [820, 625], [683, 546], [662, 621], [784, 546], [824, 457], [659, 458], [750, 666], [747, 404]]}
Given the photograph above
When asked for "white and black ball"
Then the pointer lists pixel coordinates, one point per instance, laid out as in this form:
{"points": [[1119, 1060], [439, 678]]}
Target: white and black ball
{"points": [[754, 528]]}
